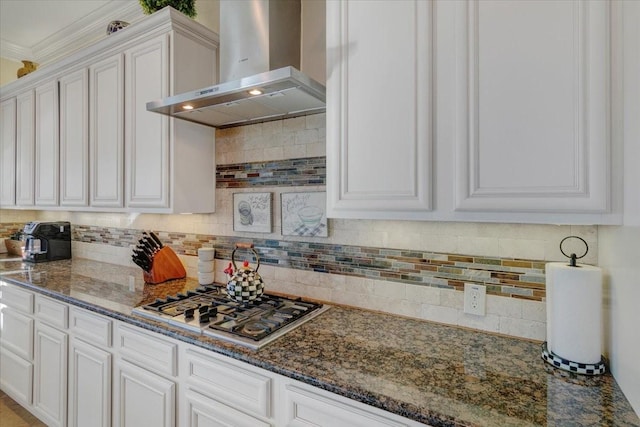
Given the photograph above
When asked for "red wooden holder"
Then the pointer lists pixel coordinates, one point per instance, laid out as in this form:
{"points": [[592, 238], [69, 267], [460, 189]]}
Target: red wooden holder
{"points": [[166, 266]]}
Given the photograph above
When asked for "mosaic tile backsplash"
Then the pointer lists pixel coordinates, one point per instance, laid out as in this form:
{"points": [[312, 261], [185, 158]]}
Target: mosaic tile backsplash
{"points": [[281, 173], [516, 278]]}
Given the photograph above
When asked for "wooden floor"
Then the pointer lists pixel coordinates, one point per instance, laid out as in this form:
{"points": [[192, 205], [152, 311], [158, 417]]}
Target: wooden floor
{"points": [[14, 415]]}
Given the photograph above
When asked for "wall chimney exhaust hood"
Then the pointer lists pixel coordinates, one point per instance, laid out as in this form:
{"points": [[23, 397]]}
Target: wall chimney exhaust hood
{"points": [[259, 53]]}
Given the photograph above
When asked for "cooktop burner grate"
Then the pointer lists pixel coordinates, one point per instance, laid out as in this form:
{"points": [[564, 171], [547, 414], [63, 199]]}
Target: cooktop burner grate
{"points": [[209, 311]]}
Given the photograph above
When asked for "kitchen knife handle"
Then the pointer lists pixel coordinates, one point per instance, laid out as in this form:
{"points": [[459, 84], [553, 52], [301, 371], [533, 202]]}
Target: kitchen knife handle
{"points": [[156, 239]]}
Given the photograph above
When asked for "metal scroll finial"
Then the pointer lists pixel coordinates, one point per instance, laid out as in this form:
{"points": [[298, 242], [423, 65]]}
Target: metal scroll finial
{"points": [[573, 257]]}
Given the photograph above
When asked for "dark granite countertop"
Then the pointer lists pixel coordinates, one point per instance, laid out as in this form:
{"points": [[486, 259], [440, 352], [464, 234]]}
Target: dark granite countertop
{"points": [[436, 374]]}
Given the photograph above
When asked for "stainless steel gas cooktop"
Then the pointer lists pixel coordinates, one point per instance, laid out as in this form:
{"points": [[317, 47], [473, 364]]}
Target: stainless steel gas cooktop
{"points": [[208, 310]]}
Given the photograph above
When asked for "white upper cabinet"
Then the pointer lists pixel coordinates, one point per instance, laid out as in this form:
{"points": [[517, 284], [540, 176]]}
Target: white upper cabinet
{"points": [[92, 145], [106, 132], [47, 144], [25, 149], [74, 139], [532, 106], [147, 133], [8, 153], [474, 110], [379, 108]]}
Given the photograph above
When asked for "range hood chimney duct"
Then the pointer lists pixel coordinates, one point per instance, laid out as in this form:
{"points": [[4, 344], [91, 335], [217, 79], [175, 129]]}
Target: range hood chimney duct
{"points": [[259, 50]]}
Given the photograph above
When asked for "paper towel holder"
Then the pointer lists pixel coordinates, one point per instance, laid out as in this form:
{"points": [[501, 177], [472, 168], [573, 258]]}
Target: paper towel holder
{"points": [[573, 257]]}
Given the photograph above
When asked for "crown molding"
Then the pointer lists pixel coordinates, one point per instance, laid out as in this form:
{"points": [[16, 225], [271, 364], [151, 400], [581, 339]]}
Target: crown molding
{"points": [[15, 52], [78, 35], [86, 31]]}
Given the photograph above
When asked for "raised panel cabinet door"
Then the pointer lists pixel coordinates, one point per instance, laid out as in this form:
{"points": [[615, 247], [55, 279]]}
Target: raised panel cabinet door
{"points": [[8, 153], [379, 112], [147, 133], [74, 139], [89, 385], [17, 332], [47, 145], [106, 133], [25, 149], [50, 382], [143, 398], [532, 106], [16, 376]]}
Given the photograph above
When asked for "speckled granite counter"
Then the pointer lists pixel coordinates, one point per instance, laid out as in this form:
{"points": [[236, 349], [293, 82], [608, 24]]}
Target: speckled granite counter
{"points": [[435, 374]]}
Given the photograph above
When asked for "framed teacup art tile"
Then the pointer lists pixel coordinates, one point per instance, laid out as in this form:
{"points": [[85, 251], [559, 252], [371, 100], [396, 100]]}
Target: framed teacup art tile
{"points": [[252, 212], [304, 214]]}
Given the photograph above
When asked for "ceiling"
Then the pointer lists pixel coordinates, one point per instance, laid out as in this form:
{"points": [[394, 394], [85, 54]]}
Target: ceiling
{"points": [[44, 30]]}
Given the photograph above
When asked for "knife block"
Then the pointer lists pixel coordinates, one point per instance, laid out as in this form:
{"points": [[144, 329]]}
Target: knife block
{"points": [[165, 266]]}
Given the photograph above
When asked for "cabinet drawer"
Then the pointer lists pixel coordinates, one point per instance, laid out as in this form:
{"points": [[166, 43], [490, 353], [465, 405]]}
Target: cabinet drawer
{"points": [[202, 411], [17, 298], [148, 351], [16, 377], [306, 407], [54, 313], [215, 378], [91, 327], [17, 333]]}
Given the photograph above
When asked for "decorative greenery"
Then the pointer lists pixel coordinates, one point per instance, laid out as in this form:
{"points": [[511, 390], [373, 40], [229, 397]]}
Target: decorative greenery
{"points": [[188, 7]]}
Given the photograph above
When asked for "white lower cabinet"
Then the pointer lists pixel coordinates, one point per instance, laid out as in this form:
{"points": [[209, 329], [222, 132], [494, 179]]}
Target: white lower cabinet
{"points": [[90, 369], [222, 392], [202, 411], [89, 385], [50, 377], [16, 344], [16, 377], [143, 398], [306, 406], [70, 366], [145, 388]]}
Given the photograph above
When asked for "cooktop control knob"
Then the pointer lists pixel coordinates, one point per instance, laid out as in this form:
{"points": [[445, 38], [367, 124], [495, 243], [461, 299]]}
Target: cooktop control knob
{"points": [[213, 311], [188, 313]]}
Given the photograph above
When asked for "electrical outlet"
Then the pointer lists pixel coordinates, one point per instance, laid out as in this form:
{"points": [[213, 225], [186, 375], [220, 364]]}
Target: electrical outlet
{"points": [[475, 299]]}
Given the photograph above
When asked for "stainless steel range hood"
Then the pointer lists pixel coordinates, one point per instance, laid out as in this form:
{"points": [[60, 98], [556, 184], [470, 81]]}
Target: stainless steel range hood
{"points": [[259, 53]]}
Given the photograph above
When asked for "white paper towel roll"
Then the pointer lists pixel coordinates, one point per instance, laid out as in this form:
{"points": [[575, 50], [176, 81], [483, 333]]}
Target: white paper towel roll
{"points": [[574, 312]]}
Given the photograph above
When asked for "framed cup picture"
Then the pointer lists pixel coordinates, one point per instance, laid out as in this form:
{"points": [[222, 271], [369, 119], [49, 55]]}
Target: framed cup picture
{"points": [[252, 212], [304, 214]]}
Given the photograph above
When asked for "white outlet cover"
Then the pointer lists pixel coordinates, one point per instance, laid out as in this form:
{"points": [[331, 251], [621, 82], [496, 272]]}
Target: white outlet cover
{"points": [[475, 299]]}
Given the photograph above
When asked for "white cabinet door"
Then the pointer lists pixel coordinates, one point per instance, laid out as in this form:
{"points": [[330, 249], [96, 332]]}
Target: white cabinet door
{"points": [[17, 333], [532, 106], [143, 398], [379, 109], [89, 385], [16, 376], [47, 145], [8, 153], [74, 139], [106, 132], [147, 133], [25, 149], [50, 382]]}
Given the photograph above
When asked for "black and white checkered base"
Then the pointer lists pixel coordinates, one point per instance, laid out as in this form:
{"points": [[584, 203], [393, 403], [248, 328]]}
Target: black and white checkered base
{"points": [[566, 365]]}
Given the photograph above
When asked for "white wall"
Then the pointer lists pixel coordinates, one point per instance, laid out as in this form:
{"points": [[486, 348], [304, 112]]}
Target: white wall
{"points": [[619, 247]]}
